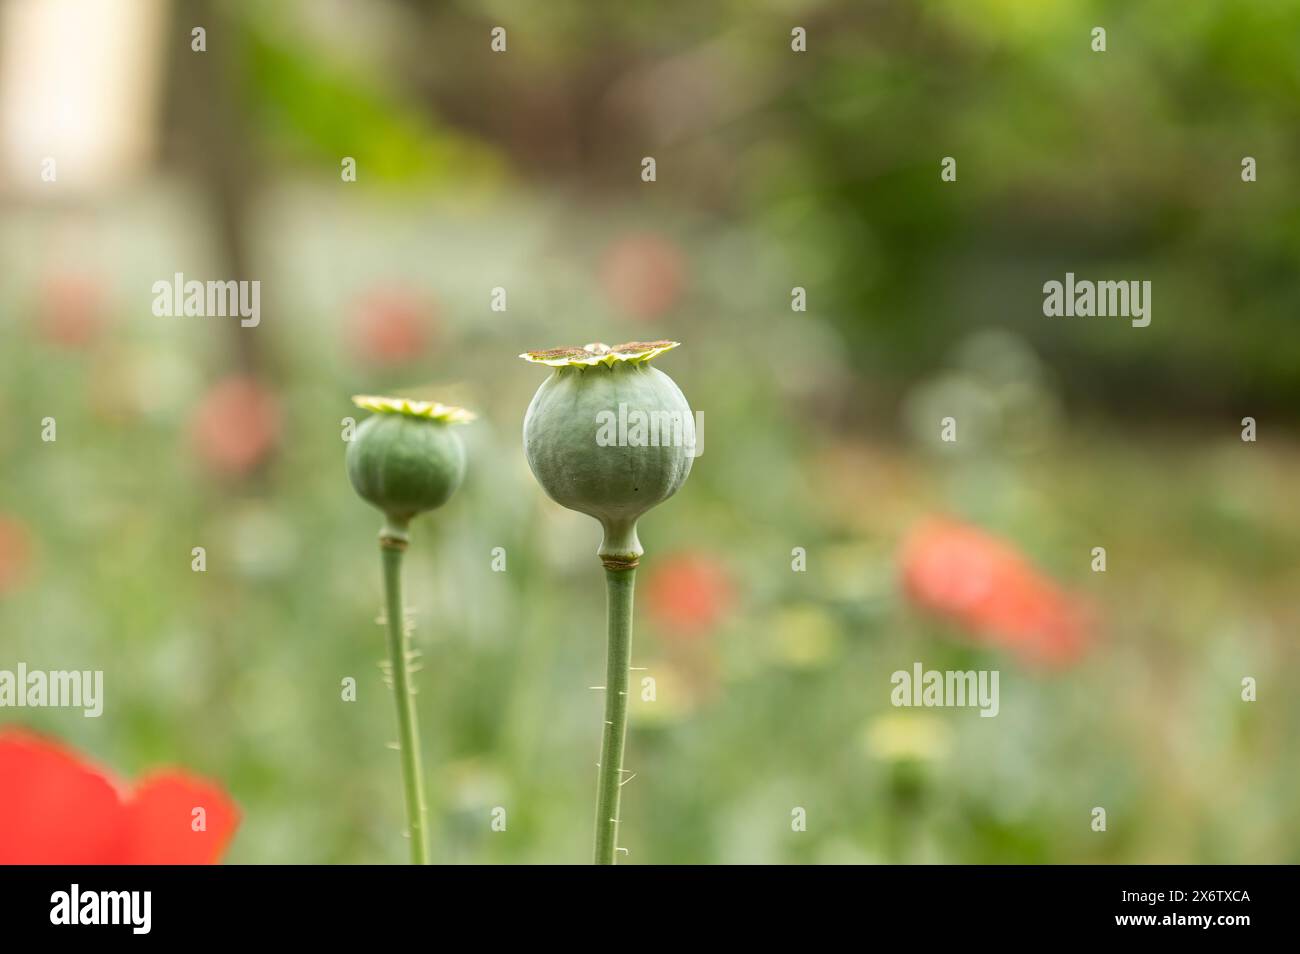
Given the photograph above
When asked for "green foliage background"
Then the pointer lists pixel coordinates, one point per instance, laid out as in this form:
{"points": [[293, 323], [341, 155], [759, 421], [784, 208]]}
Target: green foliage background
{"points": [[775, 169]]}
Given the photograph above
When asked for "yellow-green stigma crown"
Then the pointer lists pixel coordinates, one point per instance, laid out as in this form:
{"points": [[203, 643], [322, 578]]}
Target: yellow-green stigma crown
{"points": [[430, 410], [591, 355]]}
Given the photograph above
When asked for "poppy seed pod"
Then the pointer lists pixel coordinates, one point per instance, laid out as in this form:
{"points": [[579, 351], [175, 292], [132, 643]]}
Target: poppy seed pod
{"points": [[609, 436], [406, 458]]}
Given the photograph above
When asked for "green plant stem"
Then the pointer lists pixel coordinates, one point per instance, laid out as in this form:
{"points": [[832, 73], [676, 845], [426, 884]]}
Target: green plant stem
{"points": [[619, 585], [392, 546]]}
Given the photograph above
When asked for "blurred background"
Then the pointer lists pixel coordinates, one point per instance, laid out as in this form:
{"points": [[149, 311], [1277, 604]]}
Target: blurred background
{"points": [[521, 170]]}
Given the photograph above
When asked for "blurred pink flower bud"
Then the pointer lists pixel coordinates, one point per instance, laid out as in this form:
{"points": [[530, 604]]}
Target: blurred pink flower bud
{"points": [[643, 274], [15, 554], [235, 426], [71, 311], [388, 326]]}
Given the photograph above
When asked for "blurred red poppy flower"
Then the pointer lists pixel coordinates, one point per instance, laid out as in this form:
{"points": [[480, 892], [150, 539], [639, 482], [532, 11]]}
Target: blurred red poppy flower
{"points": [[57, 809], [689, 593], [235, 426], [71, 311], [986, 586], [643, 274], [15, 554], [389, 326]]}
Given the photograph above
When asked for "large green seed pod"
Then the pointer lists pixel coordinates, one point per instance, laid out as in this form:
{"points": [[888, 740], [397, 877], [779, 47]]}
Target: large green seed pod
{"points": [[610, 436], [407, 457]]}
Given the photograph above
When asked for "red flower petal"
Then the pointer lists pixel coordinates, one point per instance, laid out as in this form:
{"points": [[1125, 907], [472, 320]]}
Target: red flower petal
{"points": [[986, 585], [689, 594], [162, 815], [54, 809]]}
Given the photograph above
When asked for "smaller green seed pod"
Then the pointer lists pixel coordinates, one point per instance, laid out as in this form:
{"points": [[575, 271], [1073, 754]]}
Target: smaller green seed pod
{"points": [[406, 458]]}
